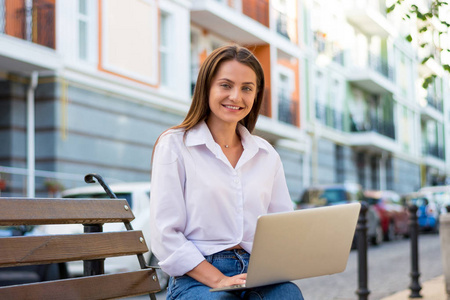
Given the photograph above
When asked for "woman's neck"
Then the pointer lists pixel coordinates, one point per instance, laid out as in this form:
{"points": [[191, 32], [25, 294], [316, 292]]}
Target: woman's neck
{"points": [[224, 134]]}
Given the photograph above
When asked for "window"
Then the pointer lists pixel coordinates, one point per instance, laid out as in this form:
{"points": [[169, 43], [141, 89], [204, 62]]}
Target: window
{"points": [[390, 176], [361, 167], [83, 21], [287, 106], [85, 26], [164, 48], [375, 172], [195, 59], [338, 96], [320, 96], [2, 16], [340, 166]]}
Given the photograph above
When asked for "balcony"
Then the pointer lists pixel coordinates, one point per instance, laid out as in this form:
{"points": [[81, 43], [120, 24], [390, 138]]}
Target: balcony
{"points": [[258, 10], [378, 125], [435, 102], [369, 16], [329, 116], [231, 21], [377, 137], [377, 76], [434, 151], [288, 110], [285, 25], [27, 36], [432, 108], [330, 49], [35, 24]]}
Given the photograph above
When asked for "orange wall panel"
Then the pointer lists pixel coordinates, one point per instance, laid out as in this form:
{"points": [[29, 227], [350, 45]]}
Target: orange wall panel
{"points": [[15, 18], [263, 55]]}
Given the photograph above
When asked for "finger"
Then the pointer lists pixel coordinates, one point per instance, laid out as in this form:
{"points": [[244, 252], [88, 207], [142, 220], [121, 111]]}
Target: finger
{"points": [[241, 276]]}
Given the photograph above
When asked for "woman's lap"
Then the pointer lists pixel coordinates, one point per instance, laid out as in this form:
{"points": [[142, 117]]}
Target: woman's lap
{"points": [[229, 263]]}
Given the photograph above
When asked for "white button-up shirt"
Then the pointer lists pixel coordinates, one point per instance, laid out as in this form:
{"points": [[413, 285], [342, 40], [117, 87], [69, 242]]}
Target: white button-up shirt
{"points": [[201, 205]]}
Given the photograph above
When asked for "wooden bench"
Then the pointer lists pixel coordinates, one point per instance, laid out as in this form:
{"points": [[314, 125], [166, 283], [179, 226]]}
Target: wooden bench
{"points": [[92, 246]]}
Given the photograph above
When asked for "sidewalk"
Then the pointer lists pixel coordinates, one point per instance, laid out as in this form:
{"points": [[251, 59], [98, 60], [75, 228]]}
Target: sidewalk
{"points": [[433, 289]]}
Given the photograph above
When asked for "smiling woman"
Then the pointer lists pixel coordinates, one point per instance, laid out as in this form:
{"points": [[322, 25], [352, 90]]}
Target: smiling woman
{"points": [[211, 180]]}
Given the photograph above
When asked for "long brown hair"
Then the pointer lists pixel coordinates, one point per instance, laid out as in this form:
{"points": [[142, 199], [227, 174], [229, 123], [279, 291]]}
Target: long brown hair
{"points": [[199, 109]]}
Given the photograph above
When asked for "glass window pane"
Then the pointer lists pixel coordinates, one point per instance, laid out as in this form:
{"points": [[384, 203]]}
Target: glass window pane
{"points": [[82, 7], [82, 40]]}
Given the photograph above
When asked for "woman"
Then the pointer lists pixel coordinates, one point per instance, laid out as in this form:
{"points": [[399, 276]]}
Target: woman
{"points": [[211, 179]]}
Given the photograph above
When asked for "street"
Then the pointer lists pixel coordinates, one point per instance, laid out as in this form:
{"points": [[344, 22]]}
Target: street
{"points": [[389, 267]]}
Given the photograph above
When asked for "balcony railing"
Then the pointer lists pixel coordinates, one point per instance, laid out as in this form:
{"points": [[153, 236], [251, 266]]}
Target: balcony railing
{"points": [[434, 150], [329, 116], [378, 125], [435, 102], [288, 110], [286, 26], [257, 10], [381, 66], [328, 48], [34, 23]]}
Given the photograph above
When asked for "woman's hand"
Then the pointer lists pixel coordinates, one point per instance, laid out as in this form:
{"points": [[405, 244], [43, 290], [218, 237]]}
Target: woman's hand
{"points": [[209, 275], [229, 281]]}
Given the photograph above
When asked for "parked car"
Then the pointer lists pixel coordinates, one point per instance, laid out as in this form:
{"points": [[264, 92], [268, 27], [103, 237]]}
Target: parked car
{"points": [[439, 195], [138, 196], [394, 215], [431, 202], [334, 194]]}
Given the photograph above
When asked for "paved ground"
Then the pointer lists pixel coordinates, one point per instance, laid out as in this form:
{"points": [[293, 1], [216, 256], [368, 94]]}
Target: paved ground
{"points": [[433, 289]]}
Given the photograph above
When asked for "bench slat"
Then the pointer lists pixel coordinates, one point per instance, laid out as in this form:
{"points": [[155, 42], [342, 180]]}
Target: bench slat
{"points": [[40, 211], [90, 287], [26, 250]]}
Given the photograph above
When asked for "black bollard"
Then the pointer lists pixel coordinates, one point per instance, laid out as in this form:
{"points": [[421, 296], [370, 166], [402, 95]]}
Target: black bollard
{"points": [[361, 239], [414, 234]]}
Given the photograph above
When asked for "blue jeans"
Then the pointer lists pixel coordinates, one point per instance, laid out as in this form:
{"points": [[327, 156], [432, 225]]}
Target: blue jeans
{"points": [[230, 263]]}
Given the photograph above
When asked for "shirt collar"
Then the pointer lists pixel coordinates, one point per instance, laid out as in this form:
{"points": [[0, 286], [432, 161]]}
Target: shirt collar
{"points": [[200, 135]]}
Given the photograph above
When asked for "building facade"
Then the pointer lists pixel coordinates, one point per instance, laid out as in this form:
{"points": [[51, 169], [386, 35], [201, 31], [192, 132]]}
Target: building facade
{"points": [[88, 86]]}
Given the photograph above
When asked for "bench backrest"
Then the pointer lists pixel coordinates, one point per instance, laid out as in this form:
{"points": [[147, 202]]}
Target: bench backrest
{"points": [[46, 249]]}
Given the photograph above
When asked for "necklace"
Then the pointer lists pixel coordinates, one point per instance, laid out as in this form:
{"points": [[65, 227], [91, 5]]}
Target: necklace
{"points": [[226, 146]]}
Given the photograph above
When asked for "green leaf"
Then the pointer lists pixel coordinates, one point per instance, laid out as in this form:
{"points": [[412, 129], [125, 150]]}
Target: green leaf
{"points": [[421, 16], [446, 68], [426, 59], [423, 29], [427, 81], [409, 38], [391, 8], [423, 45]]}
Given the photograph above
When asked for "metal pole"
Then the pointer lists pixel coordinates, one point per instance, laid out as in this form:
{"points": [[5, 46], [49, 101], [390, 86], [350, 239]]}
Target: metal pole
{"points": [[95, 266], [414, 234], [361, 239], [31, 135]]}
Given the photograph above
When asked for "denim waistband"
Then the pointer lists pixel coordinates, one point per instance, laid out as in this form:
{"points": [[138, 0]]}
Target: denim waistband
{"points": [[227, 254]]}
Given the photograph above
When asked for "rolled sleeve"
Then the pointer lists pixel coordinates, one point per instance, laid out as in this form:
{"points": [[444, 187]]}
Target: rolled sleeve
{"points": [[183, 260]]}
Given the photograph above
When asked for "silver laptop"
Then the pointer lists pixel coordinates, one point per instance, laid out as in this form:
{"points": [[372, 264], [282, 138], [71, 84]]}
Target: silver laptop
{"points": [[300, 244]]}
